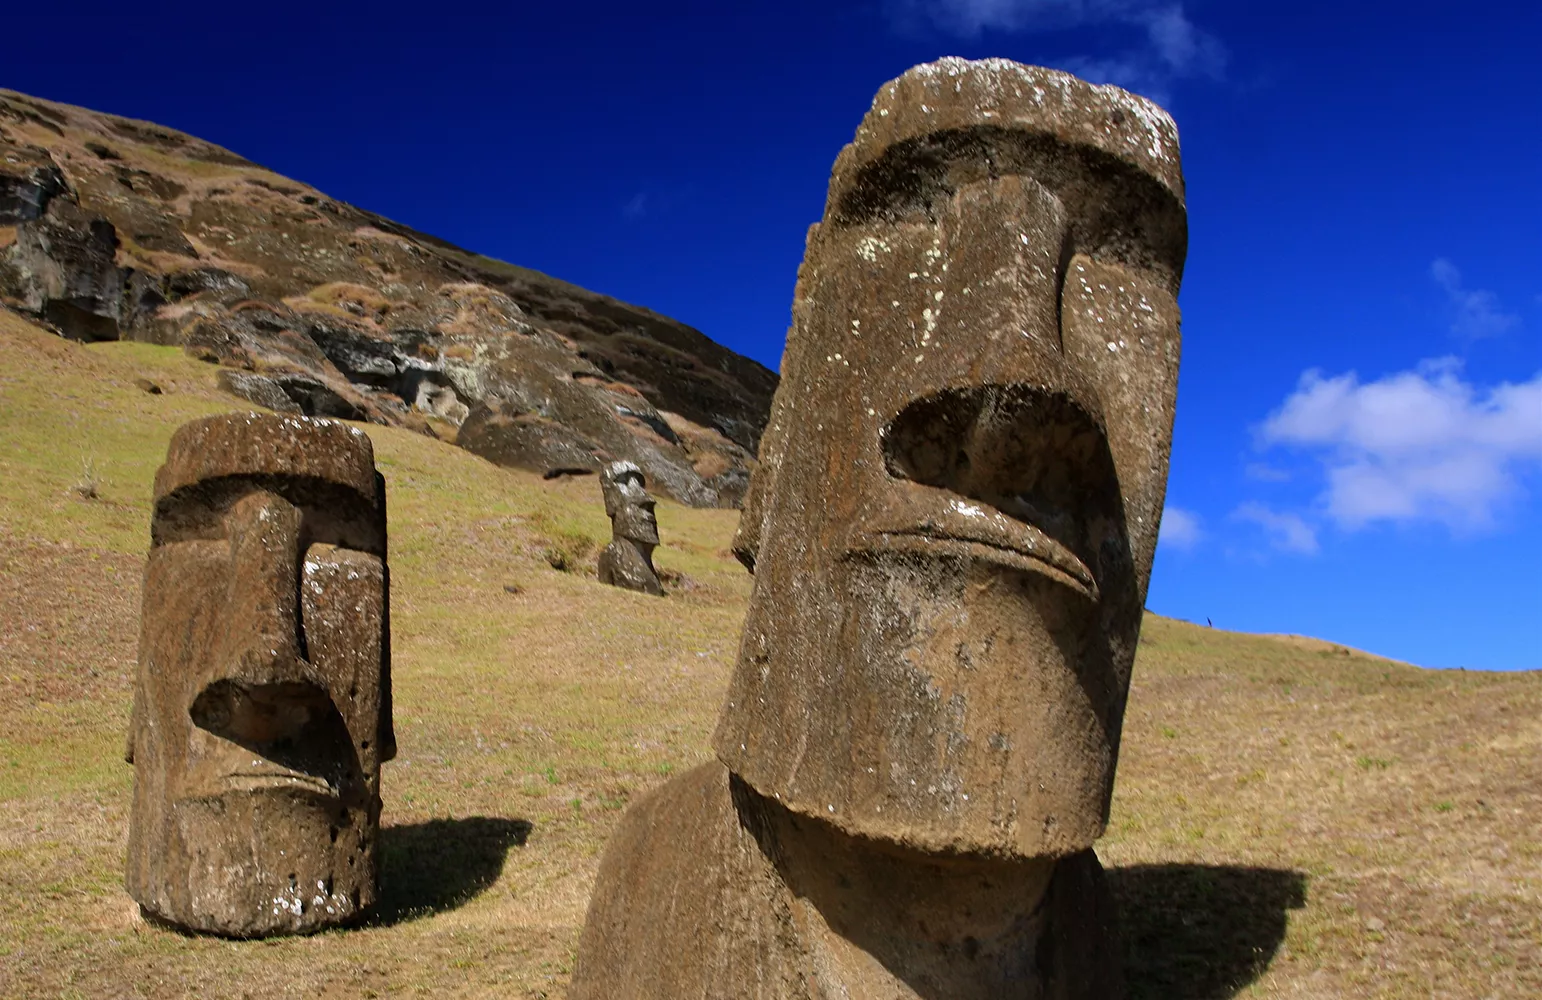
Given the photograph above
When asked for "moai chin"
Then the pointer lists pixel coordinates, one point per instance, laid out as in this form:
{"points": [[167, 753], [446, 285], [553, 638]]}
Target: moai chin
{"points": [[628, 560], [262, 707], [951, 531]]}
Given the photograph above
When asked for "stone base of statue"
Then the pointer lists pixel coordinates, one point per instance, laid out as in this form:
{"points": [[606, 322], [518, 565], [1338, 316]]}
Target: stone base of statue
{"points": [[626, 564]]}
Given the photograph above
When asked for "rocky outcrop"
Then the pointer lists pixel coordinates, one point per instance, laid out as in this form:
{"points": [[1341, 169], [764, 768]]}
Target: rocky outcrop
{"points": [[63, 269], [29, 179], [111, 228]]}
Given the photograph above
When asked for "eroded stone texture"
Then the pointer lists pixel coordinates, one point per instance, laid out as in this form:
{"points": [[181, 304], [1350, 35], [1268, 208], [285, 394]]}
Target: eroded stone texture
{"points": [[29, 179], [628, 560], [951, 531], [262, 707], [63, 269]]}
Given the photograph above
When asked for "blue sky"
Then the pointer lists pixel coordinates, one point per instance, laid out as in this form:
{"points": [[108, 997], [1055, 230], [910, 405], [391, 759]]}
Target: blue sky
{"points": [[1358, 453]]}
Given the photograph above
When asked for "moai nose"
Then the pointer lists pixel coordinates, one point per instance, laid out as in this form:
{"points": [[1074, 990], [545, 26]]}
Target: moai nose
{"points": [[1021, 422], [263, 643], [1004, 246]]}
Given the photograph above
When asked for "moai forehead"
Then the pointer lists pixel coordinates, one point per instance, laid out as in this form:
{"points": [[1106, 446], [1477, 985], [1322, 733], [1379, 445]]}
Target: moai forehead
{"points": [[321, 466], [993, 105], [262, 705], [622, 484], [956, 509]]}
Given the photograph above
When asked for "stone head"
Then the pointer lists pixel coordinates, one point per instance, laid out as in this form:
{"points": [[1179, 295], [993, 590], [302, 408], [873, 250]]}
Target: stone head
{"points": [[262, 709], [953, 522], [628, 504]]}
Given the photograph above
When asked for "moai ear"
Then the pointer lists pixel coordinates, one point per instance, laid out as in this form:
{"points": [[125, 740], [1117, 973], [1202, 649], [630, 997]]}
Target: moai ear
{"points": [[757, 499], [387, 734], [746, 544]]}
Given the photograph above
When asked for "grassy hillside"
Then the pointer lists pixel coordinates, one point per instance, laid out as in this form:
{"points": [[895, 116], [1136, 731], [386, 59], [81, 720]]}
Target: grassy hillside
{"points": [[1292, 819]]}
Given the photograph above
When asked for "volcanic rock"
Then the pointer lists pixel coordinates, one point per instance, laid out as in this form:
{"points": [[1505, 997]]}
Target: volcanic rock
{"points": [[124, 229]]}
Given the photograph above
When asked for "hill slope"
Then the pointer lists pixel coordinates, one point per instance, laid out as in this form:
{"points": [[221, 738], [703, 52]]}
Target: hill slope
{"points": [[112, 228], [1290, 820]]}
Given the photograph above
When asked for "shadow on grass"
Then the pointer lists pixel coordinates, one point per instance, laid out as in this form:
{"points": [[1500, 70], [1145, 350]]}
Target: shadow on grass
{"points": [[1200, 932], [428, 868]]}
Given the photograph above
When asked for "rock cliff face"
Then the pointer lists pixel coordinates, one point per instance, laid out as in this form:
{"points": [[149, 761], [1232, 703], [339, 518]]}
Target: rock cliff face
{"points": [[112, 228]]}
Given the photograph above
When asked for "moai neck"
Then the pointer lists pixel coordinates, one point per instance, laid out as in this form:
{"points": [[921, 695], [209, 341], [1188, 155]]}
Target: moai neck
{"points": [[881, 920], [644, 550]]}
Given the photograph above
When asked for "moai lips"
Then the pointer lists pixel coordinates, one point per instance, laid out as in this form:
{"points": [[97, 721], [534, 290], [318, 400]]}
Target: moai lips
{"points": [[628, 560], [262, 708], [951, 530]]}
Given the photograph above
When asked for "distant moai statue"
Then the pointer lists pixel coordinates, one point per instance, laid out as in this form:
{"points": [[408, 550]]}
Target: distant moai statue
{"points": [[951, 531], [262, 706], [628, 560]]}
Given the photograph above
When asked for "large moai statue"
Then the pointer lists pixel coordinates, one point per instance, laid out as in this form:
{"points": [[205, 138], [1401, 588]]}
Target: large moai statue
{"points": [[262, 708], [628, 560], [951, 531]]}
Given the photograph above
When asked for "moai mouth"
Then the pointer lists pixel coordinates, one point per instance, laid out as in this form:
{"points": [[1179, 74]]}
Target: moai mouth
{"points": [[282, 736], [1017, 477]]}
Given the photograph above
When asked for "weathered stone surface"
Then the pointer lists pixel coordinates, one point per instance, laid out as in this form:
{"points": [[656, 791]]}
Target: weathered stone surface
{"points": [[253, 271], [63, 268], [951, 532], [998, 441], [628, 560], [262, 705], [708, 891], [528, 441], [257, 389], [29, 179]]}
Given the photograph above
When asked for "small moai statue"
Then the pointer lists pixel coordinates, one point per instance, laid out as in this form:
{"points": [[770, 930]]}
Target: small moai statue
{"points": [[951, 530], [262, 705], [628, 560]]}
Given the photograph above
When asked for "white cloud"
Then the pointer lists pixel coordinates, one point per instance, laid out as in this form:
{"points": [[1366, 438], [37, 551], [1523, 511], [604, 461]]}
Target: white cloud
{"points": [[1287, 532], [1265, 473], [1474, 313], [1420, 445], [1180, 529], [1172, 46], [636, 207]]}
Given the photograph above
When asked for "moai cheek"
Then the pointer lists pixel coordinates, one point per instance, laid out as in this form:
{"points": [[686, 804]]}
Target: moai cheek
{"points": [[343, 604], [1121, 328]]}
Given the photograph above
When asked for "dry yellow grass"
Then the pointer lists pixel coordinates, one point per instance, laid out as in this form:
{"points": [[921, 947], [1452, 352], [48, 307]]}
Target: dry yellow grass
{"points": [[1290, 821]]}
